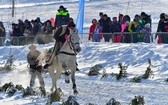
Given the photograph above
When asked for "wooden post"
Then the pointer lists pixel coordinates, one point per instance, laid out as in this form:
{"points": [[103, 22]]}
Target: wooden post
{"points": [[127, 7], [13, 8]]}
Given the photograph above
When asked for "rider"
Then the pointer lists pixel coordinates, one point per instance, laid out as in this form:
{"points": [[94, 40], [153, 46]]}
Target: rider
{"points": [[35, 68], [60, 37]]}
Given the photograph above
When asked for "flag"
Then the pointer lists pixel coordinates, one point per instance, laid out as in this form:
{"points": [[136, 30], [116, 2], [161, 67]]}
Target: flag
{"points": [[80, 18]]}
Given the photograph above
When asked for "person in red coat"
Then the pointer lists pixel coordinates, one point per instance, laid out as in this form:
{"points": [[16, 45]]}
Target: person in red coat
{"points": [[92, 28]]}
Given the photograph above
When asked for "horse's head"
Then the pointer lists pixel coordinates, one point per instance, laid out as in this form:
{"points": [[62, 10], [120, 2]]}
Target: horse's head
{"points": [[74, 40]]}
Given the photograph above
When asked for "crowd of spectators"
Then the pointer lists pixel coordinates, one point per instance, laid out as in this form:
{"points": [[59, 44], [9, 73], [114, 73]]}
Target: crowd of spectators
{"points": [[34, 27], [115, 28]]}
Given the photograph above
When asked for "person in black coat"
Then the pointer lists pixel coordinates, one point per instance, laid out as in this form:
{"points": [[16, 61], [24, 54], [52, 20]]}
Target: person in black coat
{"points": [[161, 28], [106, 28]]}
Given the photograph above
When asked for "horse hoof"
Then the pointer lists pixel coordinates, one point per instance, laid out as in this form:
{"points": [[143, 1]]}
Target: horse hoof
{"points": [[67, 81], [75, 92]]}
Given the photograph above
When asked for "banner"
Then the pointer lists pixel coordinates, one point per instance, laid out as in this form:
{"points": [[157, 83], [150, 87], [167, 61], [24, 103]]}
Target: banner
{"points": [[80, 18]]}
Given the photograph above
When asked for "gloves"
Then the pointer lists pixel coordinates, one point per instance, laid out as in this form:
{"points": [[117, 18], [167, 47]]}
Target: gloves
{"points": [[46, 66]]}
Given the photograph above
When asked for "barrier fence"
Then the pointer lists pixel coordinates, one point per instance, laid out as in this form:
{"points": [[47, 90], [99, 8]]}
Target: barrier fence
{"points": [[132, 37]]}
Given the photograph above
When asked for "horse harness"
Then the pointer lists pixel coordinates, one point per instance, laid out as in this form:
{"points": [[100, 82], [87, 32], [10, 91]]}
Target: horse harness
{"points": [[57, 47]]}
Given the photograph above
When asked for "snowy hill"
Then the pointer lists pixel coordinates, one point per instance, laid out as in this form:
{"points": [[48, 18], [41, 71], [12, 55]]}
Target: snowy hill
{"points": [[93, 89]]}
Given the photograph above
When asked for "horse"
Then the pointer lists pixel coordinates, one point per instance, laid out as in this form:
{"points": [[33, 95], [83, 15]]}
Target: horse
{"points": [[62, 59]]}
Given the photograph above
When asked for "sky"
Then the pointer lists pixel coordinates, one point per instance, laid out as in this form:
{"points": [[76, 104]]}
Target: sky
{"points": [[94, 89]]}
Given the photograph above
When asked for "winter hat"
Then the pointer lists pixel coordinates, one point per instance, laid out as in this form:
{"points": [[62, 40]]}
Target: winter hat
{"points": [[137, 15], [101, 14], [71, 24], [127, 23], [32, 47], [143, 14], [105, 15], [162, 16], [61, 7], [114, 18]]}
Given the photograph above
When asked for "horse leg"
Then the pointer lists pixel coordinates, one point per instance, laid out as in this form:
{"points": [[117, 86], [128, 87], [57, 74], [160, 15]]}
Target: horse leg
{"points": [[53, 78], [73, 80], [67, 80], [66, 74], [58, 73]]}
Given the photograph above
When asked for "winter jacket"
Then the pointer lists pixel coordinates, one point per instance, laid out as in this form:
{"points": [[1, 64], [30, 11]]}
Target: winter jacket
{"points": [[17, 32], [97, 36], [62, 18], [106, 25], [2, 32], [48, 28], [115, 27], [91, 31], [32, 57], [131, 27], [147, 34]]}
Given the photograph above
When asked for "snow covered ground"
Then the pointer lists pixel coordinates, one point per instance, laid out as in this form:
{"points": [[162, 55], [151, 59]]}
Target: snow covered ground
{"points": [[94, 89]]}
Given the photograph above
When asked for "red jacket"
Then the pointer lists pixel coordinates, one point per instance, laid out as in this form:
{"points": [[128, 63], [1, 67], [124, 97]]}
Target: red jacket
{"points": [[91, 31]]}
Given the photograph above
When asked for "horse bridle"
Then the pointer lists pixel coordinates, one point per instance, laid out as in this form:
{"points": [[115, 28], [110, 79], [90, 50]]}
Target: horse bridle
{"points": [[71, 47]]}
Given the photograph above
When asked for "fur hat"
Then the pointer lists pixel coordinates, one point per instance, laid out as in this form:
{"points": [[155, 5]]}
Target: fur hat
{"points": [[31, 47]]}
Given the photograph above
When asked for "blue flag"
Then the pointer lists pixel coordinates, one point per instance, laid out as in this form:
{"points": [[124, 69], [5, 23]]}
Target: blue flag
{"points": [[80, 18]]}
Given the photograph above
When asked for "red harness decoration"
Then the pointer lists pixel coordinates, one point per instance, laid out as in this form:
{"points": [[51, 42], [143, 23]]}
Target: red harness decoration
{"points": [[67, 38]]}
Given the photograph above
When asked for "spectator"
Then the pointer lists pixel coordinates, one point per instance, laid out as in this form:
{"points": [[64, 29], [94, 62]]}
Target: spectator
{"points": [[101, 19], [2, 30], [7, 41], [162, 38], [39, 21], [147, 33], [16, 31], [48, 29], [106, 28], [2, 33], [35, 68], [21, 26], [97, 35], [62, 17], [35, 27], [146, 18], [120, 18], [92, 28], [40, 24], [126, 18], [116, 27], [133, 26], [127, 37], [28, 27]]}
